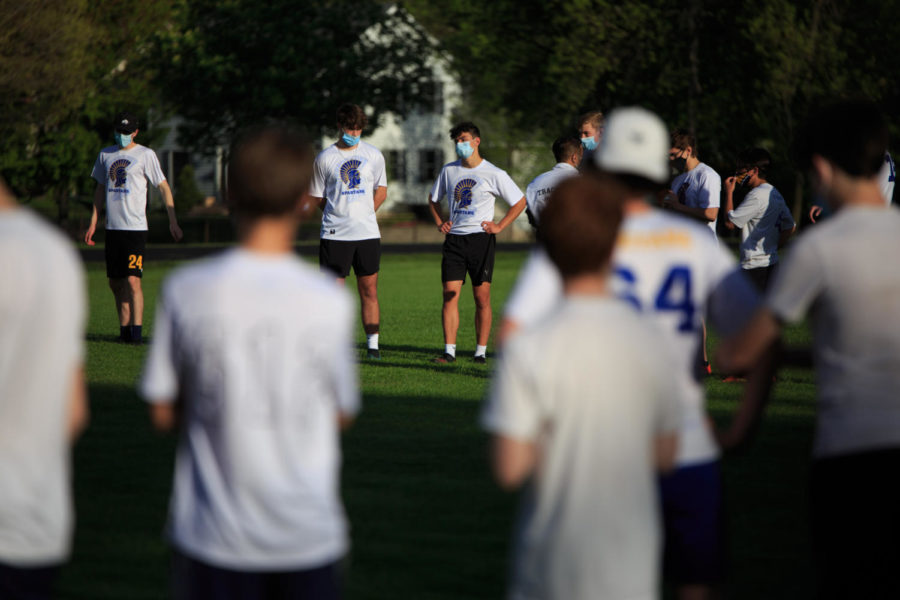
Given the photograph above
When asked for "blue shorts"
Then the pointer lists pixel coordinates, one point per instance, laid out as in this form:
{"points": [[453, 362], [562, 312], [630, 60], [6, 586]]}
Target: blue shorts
{"points": [[694, 547], [195, 579]]}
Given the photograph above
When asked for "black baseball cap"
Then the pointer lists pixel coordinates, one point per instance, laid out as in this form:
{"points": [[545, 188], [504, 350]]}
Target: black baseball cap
{"points": [[126, 122]]}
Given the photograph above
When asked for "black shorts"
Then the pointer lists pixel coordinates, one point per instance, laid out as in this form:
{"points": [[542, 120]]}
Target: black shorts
{"points": [[855, 514], [195, 579], [762, 276], [125, 253], [472, 254], [33, 583], [338, 256]]}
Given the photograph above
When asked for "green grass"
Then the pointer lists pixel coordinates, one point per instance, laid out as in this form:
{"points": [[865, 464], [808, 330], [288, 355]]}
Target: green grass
{"points": [[427, 522]]}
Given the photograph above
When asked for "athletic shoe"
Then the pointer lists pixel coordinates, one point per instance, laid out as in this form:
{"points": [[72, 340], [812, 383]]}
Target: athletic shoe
{"points": [[445, 359], [373, 353], [480, 359]]}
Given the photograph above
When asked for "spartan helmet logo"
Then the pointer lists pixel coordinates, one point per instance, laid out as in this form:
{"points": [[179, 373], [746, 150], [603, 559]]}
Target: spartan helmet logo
{"points": [[118, 173], [462, 193], [350, 173]]}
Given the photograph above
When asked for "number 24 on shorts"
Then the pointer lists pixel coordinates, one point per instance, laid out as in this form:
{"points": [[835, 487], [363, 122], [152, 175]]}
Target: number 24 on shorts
{"points": [[673, 295], [136, 261]]}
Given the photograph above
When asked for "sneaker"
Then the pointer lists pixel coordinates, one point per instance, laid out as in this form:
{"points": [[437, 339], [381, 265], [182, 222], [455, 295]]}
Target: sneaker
{"points": [[446, 358], [373, 353], [480, 359]]}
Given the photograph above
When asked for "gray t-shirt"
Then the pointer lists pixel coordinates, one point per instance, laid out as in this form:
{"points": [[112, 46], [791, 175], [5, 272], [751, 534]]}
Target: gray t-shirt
{"points": [[42, 319], [762, 216], [590, 386], [842, 273]]}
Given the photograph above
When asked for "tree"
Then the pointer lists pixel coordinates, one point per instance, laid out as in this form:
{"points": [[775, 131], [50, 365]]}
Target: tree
{"points": [[232, 63]]}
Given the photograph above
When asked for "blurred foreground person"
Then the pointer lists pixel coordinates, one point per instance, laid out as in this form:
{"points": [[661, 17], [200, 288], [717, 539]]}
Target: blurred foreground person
{"points": [[43, 400], [581, 413], [841, 273], [672, 271], [252, 358]]}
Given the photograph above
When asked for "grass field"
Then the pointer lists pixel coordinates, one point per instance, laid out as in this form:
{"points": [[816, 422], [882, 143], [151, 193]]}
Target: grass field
{"points": [[427, 522]]}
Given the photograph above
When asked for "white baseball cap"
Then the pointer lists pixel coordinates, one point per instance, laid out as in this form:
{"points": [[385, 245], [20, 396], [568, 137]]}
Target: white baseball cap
{"points": [[635, 142]]}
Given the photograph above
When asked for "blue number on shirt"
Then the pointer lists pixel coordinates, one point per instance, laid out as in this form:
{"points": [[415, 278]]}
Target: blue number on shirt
{"points": [[674, 294]]}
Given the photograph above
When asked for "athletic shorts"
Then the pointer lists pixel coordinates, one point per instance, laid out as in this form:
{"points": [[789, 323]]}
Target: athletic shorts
{"points": [[27, 583], [855, 522], [124, 252], [472, 254], [193, 578], [339, 255], [761, 276], [693, 524]]}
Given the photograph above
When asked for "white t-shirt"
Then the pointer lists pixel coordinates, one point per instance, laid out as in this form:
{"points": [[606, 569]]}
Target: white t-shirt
{"points": [[42, 320], [699, 188], [762, 216], [590, 386], [539, 190], [675, 273], [470, 192], [887, 177], [843, 273], [347, 179], [125, 174], [260, 348]]}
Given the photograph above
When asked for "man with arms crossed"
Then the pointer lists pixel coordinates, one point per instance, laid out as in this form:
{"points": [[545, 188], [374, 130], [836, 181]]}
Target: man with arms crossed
{"points": [[581, 414], [842, 274], [470, 185], [349, 183], [673, 272], [252, 358], [43, 400], [764, 219], [122, 172]]}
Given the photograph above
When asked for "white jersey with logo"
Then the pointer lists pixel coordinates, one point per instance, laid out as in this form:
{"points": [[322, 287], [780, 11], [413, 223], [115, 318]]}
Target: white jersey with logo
{"points": [[700, 187], [762, 216], [347, 179], [260, 348], [471, 192], [590, 386], [42, 319], [673, 272], [539, 190], [125, 174], [843, 273]]}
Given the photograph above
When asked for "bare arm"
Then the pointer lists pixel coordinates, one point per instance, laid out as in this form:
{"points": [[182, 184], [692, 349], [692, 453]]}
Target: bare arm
{"points": [[512, 461], [166, 416], [380, 196], [345, 421], [701, 214], [729, 200], [514, 211], [443, 226], [169, 201], [665, 448], [78, 410], [99, 199]]}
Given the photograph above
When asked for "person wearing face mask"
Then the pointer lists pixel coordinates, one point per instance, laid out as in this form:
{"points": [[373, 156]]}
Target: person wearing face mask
{"points": [[763, 217], [349, 184], [122, 172], [840, 273], [887, 176], [471, 186], [695, 190], [590, 131]]}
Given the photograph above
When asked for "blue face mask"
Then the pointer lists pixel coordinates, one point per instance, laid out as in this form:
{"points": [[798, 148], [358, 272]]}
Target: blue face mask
{"points": [[464, 149], [123, 139], [589, 143], [350, 140]]}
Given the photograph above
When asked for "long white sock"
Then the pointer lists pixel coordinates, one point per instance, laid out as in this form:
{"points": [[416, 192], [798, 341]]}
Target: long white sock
{"points": [[450, 349], [372, 341], [480, 350]]}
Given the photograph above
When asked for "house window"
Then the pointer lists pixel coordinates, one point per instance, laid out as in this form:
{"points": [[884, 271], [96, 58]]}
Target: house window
{"points": [[395, 164], [428, 165]]}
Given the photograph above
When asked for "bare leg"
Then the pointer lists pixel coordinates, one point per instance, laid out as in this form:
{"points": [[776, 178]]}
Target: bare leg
{"points": [[122, 297], [368, 302], [483, 314], [136, 292], [450, 310]]}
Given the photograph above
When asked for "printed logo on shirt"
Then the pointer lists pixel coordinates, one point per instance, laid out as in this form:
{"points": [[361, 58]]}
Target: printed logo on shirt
{"points": [[462, 194], [118, 173], [351, 177]]}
